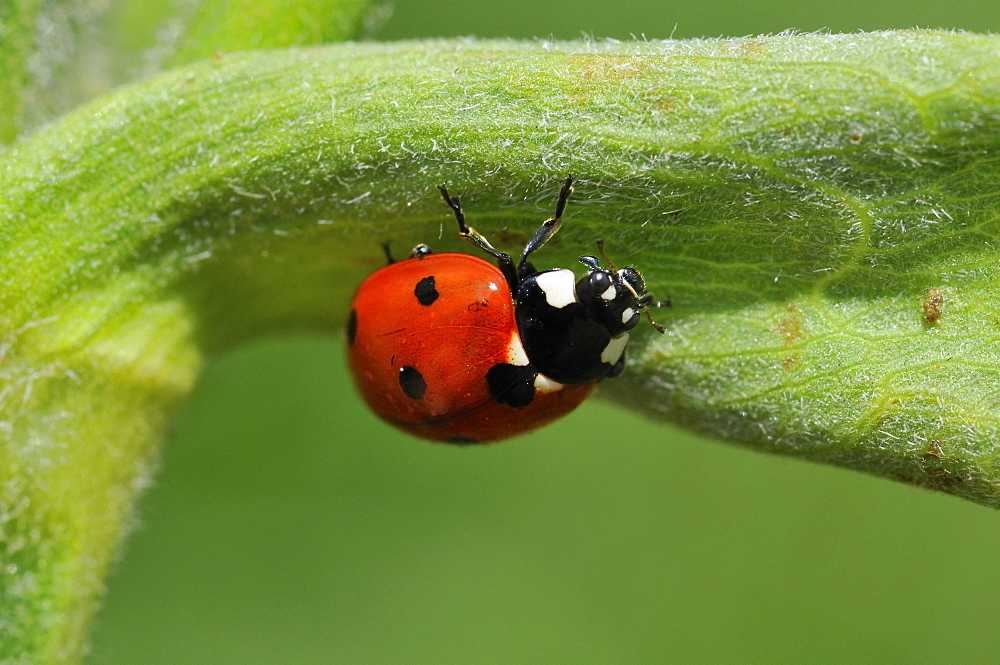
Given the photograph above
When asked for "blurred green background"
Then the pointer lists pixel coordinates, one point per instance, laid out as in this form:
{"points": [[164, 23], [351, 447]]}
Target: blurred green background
{"points": [[289, 526]]}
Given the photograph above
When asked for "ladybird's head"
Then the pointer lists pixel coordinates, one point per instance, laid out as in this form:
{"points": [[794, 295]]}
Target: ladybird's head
{"points": [[616, 297]]}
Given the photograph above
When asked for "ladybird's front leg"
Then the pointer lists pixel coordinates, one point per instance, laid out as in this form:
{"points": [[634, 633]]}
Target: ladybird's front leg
{"points": [[548, 229]]}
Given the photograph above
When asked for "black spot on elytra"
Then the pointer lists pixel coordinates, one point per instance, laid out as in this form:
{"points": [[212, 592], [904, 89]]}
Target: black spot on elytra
{"points": [[352, 326], [425, 291], [462, 441], [513, 385], [412, 382]]}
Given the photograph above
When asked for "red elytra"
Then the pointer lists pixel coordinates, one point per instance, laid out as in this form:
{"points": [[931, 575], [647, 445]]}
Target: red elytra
{"points": [[423, 334]]}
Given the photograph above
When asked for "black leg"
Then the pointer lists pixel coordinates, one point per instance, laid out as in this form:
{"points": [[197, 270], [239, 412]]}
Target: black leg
{"points": [[504, 262], [546, 230], [420, 251], [618, 367]]}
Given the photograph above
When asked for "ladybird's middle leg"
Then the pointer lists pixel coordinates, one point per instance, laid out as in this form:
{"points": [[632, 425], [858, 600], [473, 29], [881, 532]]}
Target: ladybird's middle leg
{"points": [[504, 262]]}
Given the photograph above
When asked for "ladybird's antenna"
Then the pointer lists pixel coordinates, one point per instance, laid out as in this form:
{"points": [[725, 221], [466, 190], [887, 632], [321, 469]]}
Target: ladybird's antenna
{"points": [[654, 303], [504, 262], [600, 250], [646, 301], [388, 254], [659, 328], [547, 229]]}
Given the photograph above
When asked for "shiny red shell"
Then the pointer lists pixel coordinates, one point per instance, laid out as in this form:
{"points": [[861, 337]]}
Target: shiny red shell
{"points": [[451, 334]]}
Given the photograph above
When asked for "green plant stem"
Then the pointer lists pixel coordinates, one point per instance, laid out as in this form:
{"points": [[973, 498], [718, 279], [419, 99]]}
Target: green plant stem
{"points": [[57, 54], [798, 197], [17, 20], [222, 26]]}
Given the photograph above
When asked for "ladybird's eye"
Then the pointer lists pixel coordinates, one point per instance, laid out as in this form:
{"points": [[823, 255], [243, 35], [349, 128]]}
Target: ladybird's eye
{"points": [[633, 279]]}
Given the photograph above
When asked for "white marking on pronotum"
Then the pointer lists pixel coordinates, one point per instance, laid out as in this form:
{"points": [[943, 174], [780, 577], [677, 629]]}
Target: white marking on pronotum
{"points": [[615, 348], [559, 287], [627, 314], [544, 384], [610, 293], [515, 351]]}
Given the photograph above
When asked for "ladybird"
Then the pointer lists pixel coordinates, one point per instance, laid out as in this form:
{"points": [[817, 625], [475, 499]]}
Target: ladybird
{"points": [[453, 348]]}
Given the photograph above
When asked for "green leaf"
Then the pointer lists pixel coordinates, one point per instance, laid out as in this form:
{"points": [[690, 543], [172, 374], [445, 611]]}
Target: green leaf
{"points": [[820, 208]]}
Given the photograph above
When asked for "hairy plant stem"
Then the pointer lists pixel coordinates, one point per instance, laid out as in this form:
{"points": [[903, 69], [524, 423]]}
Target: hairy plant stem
{"points": [[822, 210]]}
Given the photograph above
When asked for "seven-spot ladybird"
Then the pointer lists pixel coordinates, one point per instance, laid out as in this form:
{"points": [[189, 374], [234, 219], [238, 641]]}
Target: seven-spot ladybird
{"points": [[454, 348]]}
